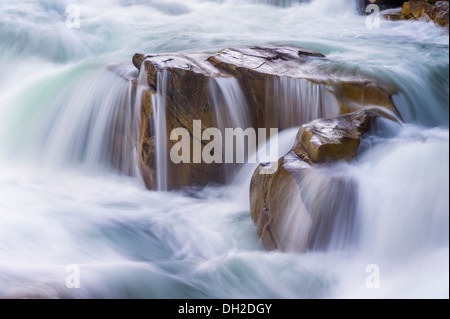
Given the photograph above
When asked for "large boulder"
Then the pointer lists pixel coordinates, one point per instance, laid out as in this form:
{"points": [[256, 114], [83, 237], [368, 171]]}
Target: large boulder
{"points": [[186, 98], [271, 86], [301, 207], [258, 69]]}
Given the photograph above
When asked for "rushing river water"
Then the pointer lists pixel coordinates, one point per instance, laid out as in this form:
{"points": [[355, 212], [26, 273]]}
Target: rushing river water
{"points": [[63, 201]]}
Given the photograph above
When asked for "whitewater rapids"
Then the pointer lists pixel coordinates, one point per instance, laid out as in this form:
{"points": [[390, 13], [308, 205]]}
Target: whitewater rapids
{"points": [[65, 201]]}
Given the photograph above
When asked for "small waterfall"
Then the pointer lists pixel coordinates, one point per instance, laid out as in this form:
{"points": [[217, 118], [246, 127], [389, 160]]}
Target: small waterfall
{"points": [[230, 104], [284, 140], [298, 101], [160, 129], [423, 96], [419, 107], [331, 199], [89, 120], [231, 111], [290, 103], [405, 217]]}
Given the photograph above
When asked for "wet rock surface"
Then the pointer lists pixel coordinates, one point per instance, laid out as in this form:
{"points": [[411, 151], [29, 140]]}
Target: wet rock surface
{"points": [[302, 207], [425, 10], [334, 139], [272, 81]]}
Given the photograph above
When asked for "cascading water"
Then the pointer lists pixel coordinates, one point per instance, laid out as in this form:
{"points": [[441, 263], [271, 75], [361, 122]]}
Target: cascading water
{"points": [[67, 121], [300, 101], [160, 127], [96, 127], [229, 102], [231, 112]]}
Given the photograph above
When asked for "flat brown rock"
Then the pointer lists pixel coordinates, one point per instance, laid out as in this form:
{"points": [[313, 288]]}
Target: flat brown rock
{"points": [[334, 139]]}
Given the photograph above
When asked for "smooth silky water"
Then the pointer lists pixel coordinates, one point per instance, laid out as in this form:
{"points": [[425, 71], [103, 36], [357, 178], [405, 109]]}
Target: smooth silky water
{"points": [[65, 198]]}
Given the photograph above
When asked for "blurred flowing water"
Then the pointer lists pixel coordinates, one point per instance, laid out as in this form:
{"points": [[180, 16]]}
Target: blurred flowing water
{"points": [[66, 197]]}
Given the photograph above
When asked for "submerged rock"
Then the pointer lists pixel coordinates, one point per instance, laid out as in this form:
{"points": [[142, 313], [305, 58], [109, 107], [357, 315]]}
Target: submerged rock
{"points": [[393, 14], [252, 87], [301, 207]]}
